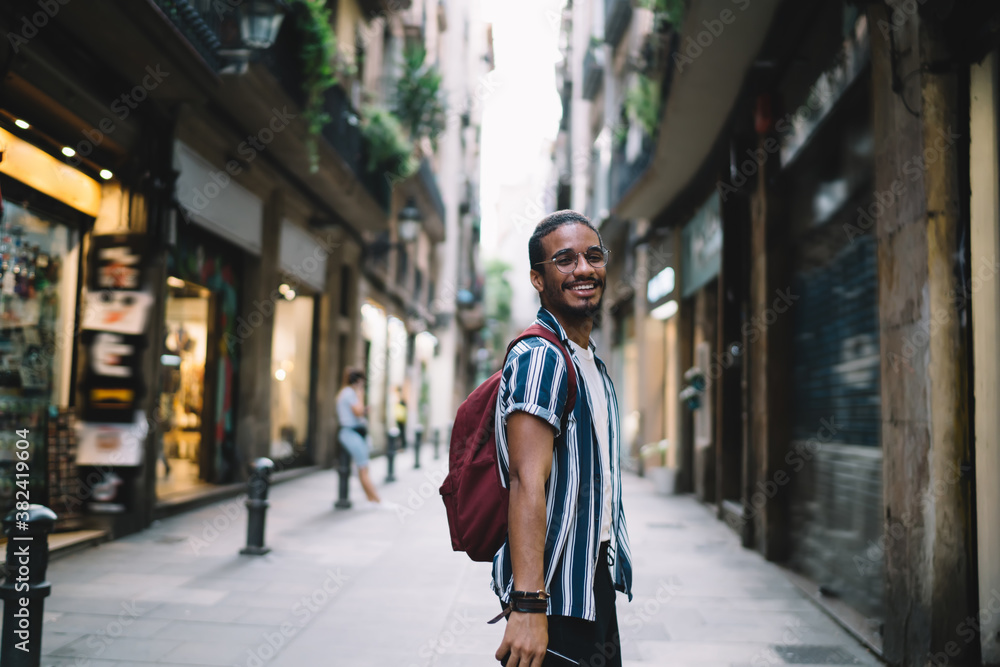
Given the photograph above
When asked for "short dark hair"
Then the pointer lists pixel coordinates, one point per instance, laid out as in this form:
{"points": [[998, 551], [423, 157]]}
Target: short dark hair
{"points": [[352, 375], [549, 224]]}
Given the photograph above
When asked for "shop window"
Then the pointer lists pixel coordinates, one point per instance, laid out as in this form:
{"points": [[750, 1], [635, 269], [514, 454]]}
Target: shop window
{"points": [[38, 294], [291, 380]]}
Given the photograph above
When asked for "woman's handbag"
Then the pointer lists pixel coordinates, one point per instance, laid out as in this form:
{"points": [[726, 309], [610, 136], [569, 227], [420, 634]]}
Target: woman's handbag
{"points": [[362, 430]]}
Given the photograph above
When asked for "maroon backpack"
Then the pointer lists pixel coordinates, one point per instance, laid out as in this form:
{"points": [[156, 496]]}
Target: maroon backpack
{"points": [[475, 499]]}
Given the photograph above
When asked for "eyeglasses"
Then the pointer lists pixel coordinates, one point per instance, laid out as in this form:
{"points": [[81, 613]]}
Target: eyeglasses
{"points": [[566, 260]]}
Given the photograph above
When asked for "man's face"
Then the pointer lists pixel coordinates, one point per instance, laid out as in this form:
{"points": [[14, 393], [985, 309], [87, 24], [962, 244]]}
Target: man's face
{"points": [[576, 294]]}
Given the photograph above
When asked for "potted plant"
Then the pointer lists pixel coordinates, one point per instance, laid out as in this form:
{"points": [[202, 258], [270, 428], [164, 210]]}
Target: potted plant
{"points": [[388, 149], [654, 457], [419, 103]]}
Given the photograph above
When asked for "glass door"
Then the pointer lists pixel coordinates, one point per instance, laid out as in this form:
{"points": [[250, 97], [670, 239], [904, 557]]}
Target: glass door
{"points": [[183, 358]]}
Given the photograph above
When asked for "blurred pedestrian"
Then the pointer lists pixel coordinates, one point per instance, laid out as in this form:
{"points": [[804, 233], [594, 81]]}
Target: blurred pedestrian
{"points": [[353, 434], [399, 416], [567, 547]]}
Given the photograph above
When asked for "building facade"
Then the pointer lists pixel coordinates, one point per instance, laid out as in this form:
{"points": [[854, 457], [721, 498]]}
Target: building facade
{"points": [[809, 235], [192, 213]]}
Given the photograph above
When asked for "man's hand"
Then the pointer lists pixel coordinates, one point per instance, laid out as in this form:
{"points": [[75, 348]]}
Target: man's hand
{"points": [[525, 639]]}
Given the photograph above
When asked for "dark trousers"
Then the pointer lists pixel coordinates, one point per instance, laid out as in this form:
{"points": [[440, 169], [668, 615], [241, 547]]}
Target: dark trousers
{"points": [[591, 643]]}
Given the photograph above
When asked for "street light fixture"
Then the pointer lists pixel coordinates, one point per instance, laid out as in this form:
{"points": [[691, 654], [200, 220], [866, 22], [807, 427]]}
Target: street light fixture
{"points": [[409, 222], [407, 230], [260, 21]]}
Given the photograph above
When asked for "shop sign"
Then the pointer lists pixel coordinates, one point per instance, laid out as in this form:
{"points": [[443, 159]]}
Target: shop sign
{"points": [[36, 168], [114, 322], [120, 312], [660, 285], [111, 444], [701, 247], [117, 262]]}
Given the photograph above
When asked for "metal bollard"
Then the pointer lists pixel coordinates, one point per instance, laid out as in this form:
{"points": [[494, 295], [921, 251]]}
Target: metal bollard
{"points": [[390, 454], [343, 484], [27, 560], [416, 448], [257, 504], [437, 444]]}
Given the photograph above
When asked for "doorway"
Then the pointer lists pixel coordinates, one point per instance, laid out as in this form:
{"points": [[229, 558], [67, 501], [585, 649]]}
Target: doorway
{"points": [[185, 355]]}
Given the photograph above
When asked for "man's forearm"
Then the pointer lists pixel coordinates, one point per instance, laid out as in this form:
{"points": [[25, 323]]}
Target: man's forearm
{"points": [[526, 528]]}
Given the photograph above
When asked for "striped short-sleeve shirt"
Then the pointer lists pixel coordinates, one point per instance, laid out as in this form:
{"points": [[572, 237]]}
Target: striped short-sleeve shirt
{"points": [[535, 381]]}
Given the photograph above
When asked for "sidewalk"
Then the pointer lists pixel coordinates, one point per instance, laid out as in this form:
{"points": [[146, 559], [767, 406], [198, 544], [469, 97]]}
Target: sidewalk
{"points": [[370, 588]]}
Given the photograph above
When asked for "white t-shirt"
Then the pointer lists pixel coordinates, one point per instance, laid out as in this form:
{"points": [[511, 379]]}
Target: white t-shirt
{"points": [[594, 382]]}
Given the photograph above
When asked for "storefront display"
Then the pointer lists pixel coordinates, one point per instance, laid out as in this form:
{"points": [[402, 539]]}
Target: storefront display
{"points": [[292, 378], [183, 358], [37, 304], [200, 364]]}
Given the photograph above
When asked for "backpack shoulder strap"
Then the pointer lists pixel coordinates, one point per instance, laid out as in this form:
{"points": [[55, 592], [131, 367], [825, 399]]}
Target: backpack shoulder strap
{"points": [[540, 331]]}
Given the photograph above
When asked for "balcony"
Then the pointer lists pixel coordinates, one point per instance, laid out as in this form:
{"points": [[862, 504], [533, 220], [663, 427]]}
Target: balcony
{"points": [[617, 14], [624, 172], [211, 33], [566, 96], [204, 30], [343, 131], [429, 183], [593, 71], [373, 8]]}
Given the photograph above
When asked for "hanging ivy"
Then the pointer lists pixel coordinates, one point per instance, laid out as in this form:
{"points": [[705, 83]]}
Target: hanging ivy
{"points": [[418, 97], [389, 151], [665, 11], [642, 103], [318, 54]]}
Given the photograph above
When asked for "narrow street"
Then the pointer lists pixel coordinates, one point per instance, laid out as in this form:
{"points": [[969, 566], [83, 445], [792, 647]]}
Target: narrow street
{"points": [[379, 588]]}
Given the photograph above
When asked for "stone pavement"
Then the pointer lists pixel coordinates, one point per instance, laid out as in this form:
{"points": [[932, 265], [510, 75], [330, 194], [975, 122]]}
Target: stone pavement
{"points": [[373, 588]]}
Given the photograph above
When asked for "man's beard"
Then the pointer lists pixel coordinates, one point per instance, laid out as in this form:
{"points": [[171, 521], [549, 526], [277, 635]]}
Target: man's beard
{"points": [[588, 310]]}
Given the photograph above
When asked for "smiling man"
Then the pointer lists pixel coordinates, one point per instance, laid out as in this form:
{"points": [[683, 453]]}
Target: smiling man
{"points": [[567, 547]]}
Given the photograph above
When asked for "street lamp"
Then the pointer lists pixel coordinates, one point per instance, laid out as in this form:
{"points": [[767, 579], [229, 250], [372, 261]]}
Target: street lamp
{"points": [[408, 229], [260, 21], [409, 222]]}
